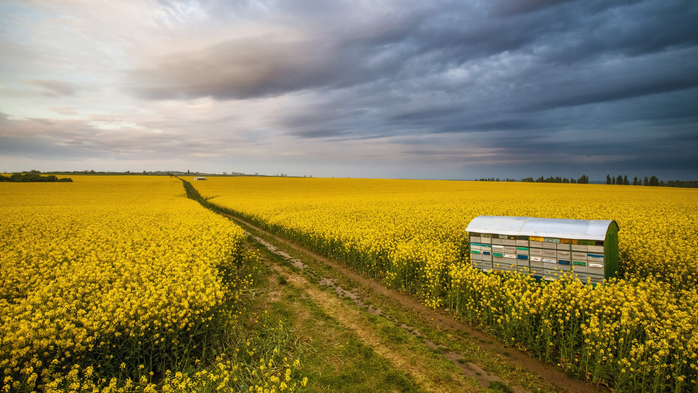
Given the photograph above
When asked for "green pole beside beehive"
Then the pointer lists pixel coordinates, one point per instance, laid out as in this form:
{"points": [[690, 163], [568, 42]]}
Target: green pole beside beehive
{"points": [[610, 250]]}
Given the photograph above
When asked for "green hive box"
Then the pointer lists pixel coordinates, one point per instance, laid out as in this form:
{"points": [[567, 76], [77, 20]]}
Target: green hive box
{"points": [[545, 248]]}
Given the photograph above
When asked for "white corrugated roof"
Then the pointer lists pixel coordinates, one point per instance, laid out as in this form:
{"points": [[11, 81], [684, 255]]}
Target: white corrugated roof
{"points": [[544, 227]]}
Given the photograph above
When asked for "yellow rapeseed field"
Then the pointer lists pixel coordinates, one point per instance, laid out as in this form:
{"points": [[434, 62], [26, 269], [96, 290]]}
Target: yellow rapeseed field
{"points": [[120, 283], [636, 333]]}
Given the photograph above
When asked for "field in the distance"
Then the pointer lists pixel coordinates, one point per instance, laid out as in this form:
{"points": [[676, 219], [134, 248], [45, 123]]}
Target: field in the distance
{"points": [[638, 333]]}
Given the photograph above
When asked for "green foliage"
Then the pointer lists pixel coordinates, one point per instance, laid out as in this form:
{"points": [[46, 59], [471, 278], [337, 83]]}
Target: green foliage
{"points": [[496, 179], [500, 387], [550, 179], [682, 183], [32, 177], [650, 181], [582, 180]]}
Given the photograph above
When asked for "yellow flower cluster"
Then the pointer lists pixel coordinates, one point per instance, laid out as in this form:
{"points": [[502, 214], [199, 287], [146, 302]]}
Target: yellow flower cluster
{"points": [[108, 277], [638, 333], [225, 376]]}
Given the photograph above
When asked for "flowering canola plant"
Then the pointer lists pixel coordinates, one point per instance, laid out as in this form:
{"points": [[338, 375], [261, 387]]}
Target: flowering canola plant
{"points": [[116, 283], [638, 333]]}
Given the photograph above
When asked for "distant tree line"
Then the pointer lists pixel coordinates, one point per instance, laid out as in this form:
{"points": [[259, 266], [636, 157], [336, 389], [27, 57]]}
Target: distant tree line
{"points": [[681, 183], [493, 179], [109, 173], [584, 179], [32, 178], [620, 179], [650, 181]]}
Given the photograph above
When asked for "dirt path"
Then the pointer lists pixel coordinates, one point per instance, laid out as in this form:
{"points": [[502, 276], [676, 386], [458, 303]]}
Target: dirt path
{"points": [[350, 318], [440, 320], [418, 366]]}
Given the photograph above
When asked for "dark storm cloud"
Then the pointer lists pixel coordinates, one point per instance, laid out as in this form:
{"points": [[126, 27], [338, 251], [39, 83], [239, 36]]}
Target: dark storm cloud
{"points": [[331, 48], [535, 73], [506, 7]]}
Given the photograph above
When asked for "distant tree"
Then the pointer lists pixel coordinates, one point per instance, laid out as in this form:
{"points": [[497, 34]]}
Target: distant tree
{"points": [[565, 180], [613, 180], [654, 181], [619, 180], [527, 180], [635, 181], [583, 180], [647, 182], [662, 184], [625, 180], [573, 180], [608, 179]]}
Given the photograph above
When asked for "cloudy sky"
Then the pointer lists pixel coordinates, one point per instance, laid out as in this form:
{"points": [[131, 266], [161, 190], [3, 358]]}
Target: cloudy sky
{"points": [[407, 89]]}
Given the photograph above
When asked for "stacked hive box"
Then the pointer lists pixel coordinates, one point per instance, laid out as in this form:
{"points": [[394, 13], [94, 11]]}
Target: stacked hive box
{"points": [[545, 248]]}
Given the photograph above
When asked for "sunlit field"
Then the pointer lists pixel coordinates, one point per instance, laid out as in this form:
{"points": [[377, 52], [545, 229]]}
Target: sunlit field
{"points": [[636, 333], [123, 284]]}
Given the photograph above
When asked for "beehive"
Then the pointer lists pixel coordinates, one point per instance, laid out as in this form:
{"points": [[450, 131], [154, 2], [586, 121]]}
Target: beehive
{"points": [[545, 248]]}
